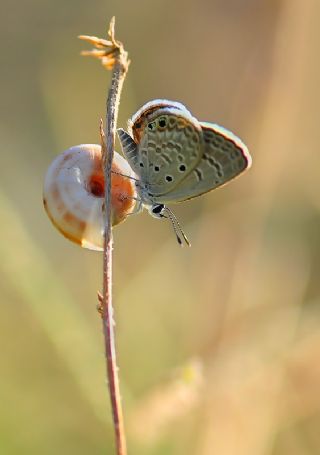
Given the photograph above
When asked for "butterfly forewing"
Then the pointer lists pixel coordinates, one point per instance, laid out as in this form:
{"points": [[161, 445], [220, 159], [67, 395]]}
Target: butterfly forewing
{"points": [[223, 157], [170, 147]]}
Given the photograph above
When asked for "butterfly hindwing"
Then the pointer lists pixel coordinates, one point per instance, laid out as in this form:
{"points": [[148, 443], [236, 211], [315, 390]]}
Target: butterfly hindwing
{"points": [[223, 157]]}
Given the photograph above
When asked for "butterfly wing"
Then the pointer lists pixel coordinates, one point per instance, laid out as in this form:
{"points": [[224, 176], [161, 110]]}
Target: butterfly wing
{"points": [[169, 147], [223, 157]]}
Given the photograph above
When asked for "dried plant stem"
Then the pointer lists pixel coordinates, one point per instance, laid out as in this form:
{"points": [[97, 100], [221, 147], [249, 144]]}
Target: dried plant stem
{"points": [[107, 308], [114, 57]]}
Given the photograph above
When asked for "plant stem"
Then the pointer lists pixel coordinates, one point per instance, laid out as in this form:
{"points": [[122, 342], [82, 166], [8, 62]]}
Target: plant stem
{"points": [[114, 57], [107, 308]]}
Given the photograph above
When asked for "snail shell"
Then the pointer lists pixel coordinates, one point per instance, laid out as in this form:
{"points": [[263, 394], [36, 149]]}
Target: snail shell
{"points": [[73, 194]]}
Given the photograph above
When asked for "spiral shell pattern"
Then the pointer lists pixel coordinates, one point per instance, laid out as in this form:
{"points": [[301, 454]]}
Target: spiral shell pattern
{"points": [[74, 191]]}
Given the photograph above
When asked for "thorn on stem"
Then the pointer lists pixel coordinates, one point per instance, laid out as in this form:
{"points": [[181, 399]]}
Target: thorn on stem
{"points": [[100, 304]]}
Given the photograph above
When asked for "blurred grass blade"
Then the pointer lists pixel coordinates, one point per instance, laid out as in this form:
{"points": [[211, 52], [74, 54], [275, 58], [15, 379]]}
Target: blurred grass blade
{"points": [[29, 273]]}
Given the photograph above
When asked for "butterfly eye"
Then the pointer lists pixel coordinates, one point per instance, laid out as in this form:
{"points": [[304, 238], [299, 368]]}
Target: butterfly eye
{"points": [[162, 122], [157, 209]]}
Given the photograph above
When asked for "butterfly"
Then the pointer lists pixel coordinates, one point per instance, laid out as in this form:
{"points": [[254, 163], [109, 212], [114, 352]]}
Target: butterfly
{"points": [[176, 157]]}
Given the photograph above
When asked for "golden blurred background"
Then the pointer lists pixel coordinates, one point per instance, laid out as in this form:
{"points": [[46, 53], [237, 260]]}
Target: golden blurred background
{"points": [[218, 345]]}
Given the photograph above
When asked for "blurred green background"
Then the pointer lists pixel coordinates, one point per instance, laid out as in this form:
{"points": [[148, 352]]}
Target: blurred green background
{"points": [[218, 345]]}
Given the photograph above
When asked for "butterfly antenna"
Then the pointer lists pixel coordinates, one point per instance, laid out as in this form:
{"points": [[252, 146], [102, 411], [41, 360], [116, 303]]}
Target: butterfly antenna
{"points": [[125, 175], [177, 227]]}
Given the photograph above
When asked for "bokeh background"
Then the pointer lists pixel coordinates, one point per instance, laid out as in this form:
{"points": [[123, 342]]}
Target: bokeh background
{"points": [[218, 345]]}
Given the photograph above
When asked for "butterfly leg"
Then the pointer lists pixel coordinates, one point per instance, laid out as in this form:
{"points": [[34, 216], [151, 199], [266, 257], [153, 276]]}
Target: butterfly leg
{"points": [[138, 207], [125, 175]]}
